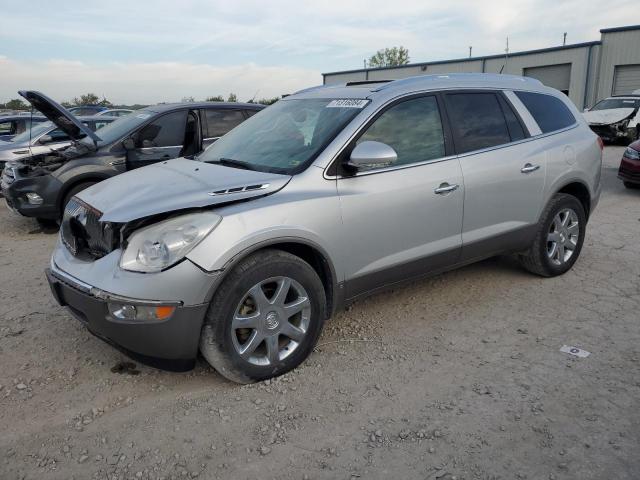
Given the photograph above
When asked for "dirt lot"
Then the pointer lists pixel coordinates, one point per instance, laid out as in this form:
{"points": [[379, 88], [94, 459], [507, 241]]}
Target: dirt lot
{"points": [[455, 377]]}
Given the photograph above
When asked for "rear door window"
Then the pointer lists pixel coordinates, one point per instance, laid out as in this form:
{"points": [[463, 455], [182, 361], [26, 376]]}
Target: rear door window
{"points": [[550, 113], [412, 128], [220, 122], [164, 131], [477, 121]]}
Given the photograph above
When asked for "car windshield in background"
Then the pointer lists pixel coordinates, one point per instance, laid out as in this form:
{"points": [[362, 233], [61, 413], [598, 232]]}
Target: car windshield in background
{"points": [[284, 138], [611, 103], [118, 128], [36, 131]]}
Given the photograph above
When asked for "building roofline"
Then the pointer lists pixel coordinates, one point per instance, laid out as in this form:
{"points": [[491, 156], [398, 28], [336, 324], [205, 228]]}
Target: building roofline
{"points": [[472, 59], [620, 29]]}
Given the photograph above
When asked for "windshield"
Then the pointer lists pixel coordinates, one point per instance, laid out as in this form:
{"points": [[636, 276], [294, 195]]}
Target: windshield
{"points": [[285, 137], [36, 131], [120, 127], [610, 103]]}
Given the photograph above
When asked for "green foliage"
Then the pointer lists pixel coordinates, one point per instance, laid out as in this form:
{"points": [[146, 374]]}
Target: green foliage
{"points": [[265, 101], [90, 99], [390, 57], [16, 104], [217, 98], [232, 97]]}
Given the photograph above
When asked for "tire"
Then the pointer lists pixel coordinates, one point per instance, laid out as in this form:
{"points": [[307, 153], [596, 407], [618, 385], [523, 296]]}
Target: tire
{"points": [[246, 313], [633, 186], [73, 191], [542, 259]]}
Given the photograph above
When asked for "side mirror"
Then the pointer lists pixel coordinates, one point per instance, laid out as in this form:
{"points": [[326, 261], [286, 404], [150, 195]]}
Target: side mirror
{"points": [[128, 144], [369, 154], [44, 139]]}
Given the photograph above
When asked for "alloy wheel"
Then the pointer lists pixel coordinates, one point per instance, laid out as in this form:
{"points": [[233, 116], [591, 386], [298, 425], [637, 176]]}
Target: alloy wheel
{"points": [[562, 239], [271, 321]]}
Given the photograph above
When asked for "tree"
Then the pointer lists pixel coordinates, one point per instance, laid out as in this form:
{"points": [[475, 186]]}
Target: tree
{"points": [[390, 57], [16, 104], [217, 98], [91, 99], [267, 101], [232, 97]]}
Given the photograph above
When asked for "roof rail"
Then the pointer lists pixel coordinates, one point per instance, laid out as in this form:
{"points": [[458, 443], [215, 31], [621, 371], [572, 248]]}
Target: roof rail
{"points": [[493, 77], [365, 82]]}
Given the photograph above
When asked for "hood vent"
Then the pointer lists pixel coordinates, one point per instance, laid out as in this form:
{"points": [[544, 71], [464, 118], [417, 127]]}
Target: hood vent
{"points": [[248, 188]]}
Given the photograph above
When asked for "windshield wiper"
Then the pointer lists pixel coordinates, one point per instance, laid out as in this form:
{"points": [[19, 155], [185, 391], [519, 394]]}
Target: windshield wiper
{"points": [[230, 162]]}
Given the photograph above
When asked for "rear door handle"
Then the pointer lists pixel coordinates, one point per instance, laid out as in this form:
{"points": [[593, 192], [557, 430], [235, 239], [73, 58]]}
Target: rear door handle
{"points": [[528, 168], [445, 188]]}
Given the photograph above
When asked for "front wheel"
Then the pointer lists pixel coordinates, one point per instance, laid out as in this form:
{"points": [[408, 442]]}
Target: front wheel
{"points": [[559, 237], [265, 318]]}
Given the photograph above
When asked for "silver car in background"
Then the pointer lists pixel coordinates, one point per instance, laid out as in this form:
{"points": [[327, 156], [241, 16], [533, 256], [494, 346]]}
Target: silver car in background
{"points": [[325, 197]]}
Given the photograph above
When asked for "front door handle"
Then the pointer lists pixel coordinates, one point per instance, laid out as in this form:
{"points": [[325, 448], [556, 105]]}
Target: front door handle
{"points": [[528, 168], [445, 188]]}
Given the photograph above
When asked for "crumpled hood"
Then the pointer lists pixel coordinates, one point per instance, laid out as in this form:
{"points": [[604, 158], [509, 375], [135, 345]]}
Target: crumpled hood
{"points": [[606, 117], [175, 185]]}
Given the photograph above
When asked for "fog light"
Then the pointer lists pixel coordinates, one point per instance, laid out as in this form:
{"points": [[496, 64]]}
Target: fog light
{"points": [[34, 199], [140, 313]]}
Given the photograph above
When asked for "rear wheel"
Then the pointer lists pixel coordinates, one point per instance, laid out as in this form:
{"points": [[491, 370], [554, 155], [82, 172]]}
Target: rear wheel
{"points": [[265, 318], [631, 185], [559, 237]]}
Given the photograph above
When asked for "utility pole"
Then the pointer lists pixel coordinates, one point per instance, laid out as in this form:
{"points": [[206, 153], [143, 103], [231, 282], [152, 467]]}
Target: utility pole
{"points": [[564, 39], [365, 63], [506, 55], [470, 50]]}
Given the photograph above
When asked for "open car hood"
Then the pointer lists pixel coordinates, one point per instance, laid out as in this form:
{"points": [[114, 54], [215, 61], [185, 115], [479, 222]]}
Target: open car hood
{"points": [[62, 118], [606, 117], [176, 185]]}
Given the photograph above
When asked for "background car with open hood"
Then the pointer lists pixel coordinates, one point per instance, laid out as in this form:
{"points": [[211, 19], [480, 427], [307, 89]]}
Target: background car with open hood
{"points": [[39, 186], [616, 119], [43, 137]]}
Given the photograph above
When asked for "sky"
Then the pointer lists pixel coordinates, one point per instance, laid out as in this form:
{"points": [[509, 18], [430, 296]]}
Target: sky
{"points": [[142, 51]]}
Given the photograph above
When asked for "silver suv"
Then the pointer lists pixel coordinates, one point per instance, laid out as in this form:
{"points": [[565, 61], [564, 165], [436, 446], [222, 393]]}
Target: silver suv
{"points": [[330, 194]]}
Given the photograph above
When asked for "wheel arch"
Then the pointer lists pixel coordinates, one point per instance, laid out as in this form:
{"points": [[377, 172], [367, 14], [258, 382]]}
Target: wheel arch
{"points": [[67, 187], [579, 190], [304, 249]]}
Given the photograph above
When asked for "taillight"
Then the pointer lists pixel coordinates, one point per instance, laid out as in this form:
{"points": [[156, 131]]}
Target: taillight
{"points": [[600, 144]]}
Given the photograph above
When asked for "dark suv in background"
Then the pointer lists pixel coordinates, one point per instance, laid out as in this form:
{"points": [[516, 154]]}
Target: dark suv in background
{"points": [[40, 185]]}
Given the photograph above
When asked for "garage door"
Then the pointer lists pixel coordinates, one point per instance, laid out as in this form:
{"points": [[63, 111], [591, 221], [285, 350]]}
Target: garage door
{"points": [[626, 79], [555, 76]]}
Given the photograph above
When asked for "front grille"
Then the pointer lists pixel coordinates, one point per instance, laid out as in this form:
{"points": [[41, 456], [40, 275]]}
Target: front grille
{"points": [[83, 233]]}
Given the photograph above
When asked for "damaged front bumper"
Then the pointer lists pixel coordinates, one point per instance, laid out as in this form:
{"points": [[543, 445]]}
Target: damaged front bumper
{"points": [[170, 343], [614, 132], [31, 196]]}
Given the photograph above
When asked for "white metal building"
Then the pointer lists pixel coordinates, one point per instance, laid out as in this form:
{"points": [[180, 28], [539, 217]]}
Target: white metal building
{"points": [[587, 72]]}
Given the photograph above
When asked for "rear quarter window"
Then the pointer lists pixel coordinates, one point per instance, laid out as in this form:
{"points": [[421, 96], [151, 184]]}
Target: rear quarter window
{"points": [[550, 113]]}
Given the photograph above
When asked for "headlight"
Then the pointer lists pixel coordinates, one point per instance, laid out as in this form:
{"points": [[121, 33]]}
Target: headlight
{"points": [[631, 154], [158, 246]]}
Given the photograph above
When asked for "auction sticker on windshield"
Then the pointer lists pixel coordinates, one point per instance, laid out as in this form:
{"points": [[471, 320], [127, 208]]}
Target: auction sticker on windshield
{"points": [[347, 103]]}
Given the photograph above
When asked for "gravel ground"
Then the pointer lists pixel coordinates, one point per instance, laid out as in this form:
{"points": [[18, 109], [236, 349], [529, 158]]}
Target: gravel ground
{"points": [[455, 377]]}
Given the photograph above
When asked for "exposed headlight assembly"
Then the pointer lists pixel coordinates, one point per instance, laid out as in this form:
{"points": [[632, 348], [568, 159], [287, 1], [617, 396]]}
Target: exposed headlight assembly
{"points": [[631, 154], [163, 244]]}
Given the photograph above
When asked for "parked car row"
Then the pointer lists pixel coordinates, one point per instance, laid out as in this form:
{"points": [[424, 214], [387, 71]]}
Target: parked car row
{"points": [[242, 251], [41, 183]]}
